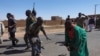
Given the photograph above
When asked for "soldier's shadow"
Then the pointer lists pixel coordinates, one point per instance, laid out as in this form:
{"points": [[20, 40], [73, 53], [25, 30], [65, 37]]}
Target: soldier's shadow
{"points": [[3, 46], [97, 29], [60, 34], [8, 46], [61, 43], [20, 45], [6, 40], [9, 52], [62, 55]]}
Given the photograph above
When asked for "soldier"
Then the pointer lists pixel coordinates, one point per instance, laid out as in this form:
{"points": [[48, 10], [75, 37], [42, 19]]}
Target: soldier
{"points": [[80, 20], [68, 18], [34, 34], [12, 28], [30, 19]]}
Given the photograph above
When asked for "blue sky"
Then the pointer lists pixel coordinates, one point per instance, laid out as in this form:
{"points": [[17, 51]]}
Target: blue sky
{"points": [[48, 8]]}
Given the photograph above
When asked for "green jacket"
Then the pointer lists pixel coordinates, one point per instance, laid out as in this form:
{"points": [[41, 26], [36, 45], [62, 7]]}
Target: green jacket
{"points": [[79, 41]]}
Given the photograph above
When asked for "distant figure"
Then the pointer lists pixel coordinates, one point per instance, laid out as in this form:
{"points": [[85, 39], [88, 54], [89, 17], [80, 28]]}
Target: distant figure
{"points": [[91, 23], [2, 29], [12, 28], [80, 20], [31, 18], [33, 32], [75, 40], [68, 18], [86, 23]]}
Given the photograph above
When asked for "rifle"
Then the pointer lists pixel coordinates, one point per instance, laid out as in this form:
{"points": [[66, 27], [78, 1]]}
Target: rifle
{"points": [[33, 11]]}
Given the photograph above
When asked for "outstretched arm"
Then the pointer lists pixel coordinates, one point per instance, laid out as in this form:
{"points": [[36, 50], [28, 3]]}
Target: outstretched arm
{"points": [[42, 29]]}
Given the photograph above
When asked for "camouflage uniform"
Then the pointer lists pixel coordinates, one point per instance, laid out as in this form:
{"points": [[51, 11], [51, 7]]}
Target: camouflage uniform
{"points": [[29, 21]]}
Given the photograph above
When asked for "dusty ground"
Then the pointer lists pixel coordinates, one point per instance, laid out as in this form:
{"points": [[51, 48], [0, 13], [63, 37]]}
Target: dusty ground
{"points": [[52, 47], [49, 30]]}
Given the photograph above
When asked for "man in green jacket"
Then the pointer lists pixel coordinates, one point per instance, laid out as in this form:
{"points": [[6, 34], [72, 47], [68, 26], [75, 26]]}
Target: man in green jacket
{"points": [[76, 39]]}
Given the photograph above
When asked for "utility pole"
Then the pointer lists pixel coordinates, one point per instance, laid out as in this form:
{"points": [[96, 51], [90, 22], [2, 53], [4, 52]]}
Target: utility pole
{"points": [[95, 8]]}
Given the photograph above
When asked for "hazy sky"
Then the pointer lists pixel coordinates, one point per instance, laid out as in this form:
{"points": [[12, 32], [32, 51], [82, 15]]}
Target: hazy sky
{"points": [[48, 8]]}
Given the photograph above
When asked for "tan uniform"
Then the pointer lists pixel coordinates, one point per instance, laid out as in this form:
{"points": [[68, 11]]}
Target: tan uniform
{"points": [[80, 22]]}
